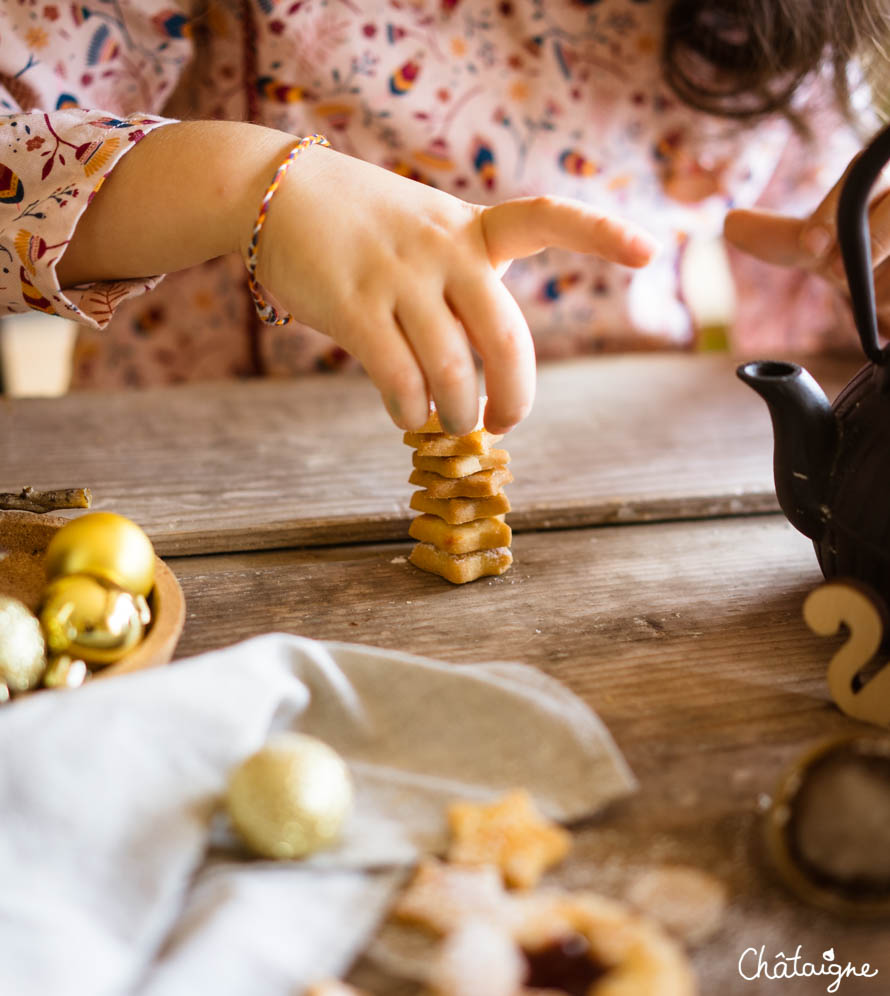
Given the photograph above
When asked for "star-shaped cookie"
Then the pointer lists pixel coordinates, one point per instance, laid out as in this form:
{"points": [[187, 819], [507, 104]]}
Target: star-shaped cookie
{"points": [[510, 834]]}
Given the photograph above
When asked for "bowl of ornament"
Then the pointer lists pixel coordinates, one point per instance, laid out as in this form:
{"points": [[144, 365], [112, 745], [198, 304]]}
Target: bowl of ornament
{"points": [[81, 598]]}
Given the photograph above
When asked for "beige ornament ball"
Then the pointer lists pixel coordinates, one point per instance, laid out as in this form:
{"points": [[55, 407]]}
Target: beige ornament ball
{"points": [[22, 649], [291, 797]]}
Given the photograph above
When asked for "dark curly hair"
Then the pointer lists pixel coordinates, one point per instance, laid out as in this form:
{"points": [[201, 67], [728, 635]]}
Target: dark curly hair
{"points": [[745, 59]]}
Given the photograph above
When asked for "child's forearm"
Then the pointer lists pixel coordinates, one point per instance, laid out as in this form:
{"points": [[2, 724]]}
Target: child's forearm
{"points": [[185, 193]]}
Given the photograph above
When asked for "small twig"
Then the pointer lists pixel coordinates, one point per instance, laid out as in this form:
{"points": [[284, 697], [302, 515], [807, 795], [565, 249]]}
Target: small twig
{"points": [[29, 500]]}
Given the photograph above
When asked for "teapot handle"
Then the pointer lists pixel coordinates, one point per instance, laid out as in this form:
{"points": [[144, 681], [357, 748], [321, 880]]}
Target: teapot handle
{"points": [[854, 238]]}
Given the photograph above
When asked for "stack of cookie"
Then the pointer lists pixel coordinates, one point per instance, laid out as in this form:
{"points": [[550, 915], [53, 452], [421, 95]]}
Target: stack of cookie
{"points": [[461, 532]]}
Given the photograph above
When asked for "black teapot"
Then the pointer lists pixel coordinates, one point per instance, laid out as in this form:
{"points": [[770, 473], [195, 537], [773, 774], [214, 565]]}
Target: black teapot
{"points": [[832, 462]]}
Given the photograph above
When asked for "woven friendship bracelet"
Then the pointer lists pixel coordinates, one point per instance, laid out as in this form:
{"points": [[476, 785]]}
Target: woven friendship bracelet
{"points": [[265, 310]]}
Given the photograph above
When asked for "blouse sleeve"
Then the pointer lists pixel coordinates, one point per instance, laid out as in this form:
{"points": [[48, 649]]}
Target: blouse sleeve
{"points": [[51, 165], [124, 58]]}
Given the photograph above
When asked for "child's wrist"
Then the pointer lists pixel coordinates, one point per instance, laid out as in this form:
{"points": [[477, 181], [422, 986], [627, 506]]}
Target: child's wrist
{"points": [[250, 250], [268, 148]]}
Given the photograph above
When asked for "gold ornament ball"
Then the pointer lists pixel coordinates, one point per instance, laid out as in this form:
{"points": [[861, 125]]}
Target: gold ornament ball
{"points": [[65, 672], [291, 797], [22, 650], [106, 545], [90, 619]]}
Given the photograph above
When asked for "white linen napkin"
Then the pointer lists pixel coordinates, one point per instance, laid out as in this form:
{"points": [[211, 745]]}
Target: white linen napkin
{"points": [[118, 874]]}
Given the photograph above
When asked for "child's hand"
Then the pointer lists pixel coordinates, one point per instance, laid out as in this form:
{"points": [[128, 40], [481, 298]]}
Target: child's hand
{"points": [[407, 278], [811, 243], [403, 276]]}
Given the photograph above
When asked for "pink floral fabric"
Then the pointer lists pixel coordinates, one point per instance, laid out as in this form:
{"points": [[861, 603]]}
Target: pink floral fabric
{"points": [[484, 99]]}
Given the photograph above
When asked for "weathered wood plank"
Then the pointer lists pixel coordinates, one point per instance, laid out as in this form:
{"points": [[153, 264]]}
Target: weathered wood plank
{"points": [[688, 640], [209, 468]]}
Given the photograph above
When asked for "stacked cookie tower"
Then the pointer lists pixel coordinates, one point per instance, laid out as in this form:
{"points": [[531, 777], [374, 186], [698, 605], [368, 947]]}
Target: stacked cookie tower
{"points": [[461, 532]]}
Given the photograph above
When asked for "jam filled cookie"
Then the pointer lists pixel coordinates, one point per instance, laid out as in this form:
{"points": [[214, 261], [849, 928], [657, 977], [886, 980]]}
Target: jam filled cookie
{"points": [[541, 942]]}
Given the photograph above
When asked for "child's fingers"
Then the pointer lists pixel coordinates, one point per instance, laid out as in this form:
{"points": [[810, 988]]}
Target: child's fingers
{"points": [[444, 355], [384, 353], [879, 224], [499, 332], [810, 242], [882, 290], [774, 238], [818, 238], [818, 233], [527, 225], [781, 240], [879, 219]]}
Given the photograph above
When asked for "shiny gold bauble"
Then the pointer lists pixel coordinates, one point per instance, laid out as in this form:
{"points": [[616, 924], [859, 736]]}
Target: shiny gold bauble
{"points": [[107, 546], [291, 797], [90, 619], [65, 672], [22, 649]]}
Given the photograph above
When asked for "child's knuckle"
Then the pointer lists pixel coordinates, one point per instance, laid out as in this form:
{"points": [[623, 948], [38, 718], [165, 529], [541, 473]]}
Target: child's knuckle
{"points": [[450, 369]]}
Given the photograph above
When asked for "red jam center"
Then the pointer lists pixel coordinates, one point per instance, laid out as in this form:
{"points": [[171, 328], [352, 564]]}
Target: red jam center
{"points": [[566, 965]]}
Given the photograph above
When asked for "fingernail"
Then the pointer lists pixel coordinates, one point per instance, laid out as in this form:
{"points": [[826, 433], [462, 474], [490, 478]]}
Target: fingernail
{"points": [[394, 409], [816, 241], [449, 426], [501, 428]]}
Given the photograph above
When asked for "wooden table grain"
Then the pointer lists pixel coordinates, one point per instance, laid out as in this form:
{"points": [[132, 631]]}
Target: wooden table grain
{"points": [[652, 577], [209, 468], [686, 638]]}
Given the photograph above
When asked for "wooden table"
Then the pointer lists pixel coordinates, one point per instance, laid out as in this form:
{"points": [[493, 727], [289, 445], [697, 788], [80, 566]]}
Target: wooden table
{"points": [[652, 576]]}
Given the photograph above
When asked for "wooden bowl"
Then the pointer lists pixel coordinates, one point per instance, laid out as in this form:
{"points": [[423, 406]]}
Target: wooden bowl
{"points": [[24, 537]]}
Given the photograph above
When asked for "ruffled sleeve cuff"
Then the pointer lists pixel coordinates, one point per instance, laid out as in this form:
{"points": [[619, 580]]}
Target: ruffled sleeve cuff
{"points": [[52, 165]]}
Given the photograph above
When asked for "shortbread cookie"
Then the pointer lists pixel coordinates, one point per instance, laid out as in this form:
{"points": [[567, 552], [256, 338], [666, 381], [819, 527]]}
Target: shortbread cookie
{"points": [[461, 466], [462, 479], [334, 987], [457, 510], [688, 902], [480, 534], [439, 444], [441, 897], [496, 959], [510, 834], [479, 485], [462, 567]]}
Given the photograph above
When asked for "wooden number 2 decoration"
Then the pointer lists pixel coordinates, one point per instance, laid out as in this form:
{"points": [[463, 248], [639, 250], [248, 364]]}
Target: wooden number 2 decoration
{"points": [[824, 611]]}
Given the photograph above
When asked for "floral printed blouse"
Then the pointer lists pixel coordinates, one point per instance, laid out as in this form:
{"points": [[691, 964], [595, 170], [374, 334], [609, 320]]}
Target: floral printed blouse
{"points": [[484, 99]]}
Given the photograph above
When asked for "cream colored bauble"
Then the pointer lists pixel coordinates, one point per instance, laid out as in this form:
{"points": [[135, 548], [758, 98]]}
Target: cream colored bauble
{"points": [[291, 797]]}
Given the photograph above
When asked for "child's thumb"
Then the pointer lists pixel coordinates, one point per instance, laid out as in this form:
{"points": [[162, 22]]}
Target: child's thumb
{"points": [[527, 225]]}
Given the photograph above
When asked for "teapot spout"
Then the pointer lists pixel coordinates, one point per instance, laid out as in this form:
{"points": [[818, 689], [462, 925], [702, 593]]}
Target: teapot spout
{"points": [[805, 437]]}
